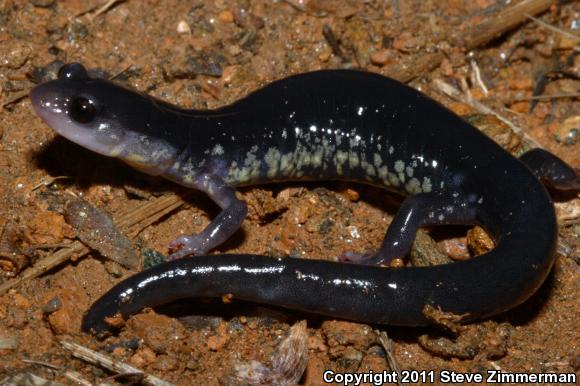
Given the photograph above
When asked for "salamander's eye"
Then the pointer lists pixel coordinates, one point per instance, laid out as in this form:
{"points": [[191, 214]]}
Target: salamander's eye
{"points": [[82, 110]]}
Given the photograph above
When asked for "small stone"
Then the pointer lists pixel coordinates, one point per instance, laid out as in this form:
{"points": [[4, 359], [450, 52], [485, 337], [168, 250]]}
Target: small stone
{"points": [[478, 241], [381, 57], [228, 73], [218, 341], [402, 42], [446, 67], [360, 336], [165, 363], [20, 301], [316, 343], [52, 305], [144, 356], [226, 16], [119, 351], [569, 131], [183, 27], [455, 248], [325, 54], [159, 332]]}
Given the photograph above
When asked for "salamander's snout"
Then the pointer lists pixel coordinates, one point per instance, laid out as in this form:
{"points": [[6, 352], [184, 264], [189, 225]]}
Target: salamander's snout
{"points": [[49, 104], [75, 110]]}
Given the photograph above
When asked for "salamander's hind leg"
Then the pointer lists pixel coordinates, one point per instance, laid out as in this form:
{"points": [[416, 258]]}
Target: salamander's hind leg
{"points": [[551, 169], [221, 228], [416, 211]]}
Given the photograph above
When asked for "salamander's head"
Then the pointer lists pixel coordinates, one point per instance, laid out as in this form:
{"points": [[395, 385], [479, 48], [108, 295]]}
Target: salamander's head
{"points": [[103, 117]]}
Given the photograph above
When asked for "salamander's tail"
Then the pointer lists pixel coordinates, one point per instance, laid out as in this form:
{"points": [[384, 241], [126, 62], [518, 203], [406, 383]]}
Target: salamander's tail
{"points": [[551, 169]]}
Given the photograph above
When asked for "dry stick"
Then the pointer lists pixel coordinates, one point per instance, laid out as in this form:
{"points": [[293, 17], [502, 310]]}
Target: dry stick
{"points": [[481, 34], [108, 5], [506, 20], [144, 211], [155, 214], [555, 29], [131, 223], [46, 264], [387, 344], [454, 93], [109, 363], [15, 98], [70, 374], [544, 97], [76, 378]]}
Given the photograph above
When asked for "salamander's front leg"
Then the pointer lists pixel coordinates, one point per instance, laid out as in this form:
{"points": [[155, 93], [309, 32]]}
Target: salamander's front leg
{"points": [[221, 228], [416, 211]]}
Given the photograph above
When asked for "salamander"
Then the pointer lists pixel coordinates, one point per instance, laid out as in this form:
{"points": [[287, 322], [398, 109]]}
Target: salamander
{"points": [[324, 125]]}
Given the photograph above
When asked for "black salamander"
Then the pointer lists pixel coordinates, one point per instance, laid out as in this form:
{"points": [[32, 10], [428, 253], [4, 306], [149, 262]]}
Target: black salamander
{"points": [[324, 125]]}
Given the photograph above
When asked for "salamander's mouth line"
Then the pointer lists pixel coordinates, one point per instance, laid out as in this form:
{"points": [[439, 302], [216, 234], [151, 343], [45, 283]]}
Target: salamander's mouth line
{"points": [[332, 125]]}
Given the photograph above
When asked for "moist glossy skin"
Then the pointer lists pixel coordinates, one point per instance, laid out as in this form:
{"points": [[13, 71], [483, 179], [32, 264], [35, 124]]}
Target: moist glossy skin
{"points": [[346, 125]]}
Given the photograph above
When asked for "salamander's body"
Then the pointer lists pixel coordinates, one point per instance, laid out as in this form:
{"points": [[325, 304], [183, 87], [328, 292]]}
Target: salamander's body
{"points": [[346, 125]]}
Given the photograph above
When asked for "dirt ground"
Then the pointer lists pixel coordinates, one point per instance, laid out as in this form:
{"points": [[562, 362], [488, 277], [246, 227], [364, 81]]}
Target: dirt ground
{"points": [[207, 53]]}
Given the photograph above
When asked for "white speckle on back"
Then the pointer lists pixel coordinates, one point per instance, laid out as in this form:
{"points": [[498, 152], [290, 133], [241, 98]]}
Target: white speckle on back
{"points": [[217, 150], [377, 160], [399, 166], [426, 185]]}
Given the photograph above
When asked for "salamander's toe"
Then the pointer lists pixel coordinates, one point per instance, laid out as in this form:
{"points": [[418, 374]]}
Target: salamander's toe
{"points": [[184, 246]]}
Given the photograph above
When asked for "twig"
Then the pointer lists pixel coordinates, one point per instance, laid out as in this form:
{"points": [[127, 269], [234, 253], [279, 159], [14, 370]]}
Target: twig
{"points": [[454, 93], [296, 4], [333, 42], [387, 344], [554, 29], [49, 181], [507, 19], [70, 374], [131, 223], [77, 378], [544, 97], [477, 76], [46, 264], [17, 96], [108, 5], [28, 379], [136, 219], [504, 21], [109, 363], [40, 363], [127, 68]]}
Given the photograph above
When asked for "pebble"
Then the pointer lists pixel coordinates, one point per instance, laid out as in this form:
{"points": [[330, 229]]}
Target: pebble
{"points": [[569, 131], [183, 27], [352, 194], [381, 57], [226, 16]]}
